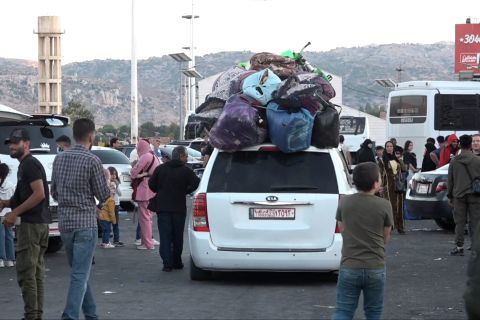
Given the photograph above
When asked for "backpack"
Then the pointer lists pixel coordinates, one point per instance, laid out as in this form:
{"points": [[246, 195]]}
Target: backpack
{"points": [[326, 127]]}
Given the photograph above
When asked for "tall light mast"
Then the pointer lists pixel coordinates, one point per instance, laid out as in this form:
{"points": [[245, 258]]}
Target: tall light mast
{"points": [[133, 90]]}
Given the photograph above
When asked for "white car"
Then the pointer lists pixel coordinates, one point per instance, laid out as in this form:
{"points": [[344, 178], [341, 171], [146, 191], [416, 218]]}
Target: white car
{"points": [[263, 210], [117, 159]]}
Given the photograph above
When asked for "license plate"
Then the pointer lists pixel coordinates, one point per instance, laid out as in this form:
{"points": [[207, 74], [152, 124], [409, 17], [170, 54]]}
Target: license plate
{"points": [[127, 178], [422, 188], [272, 213]]}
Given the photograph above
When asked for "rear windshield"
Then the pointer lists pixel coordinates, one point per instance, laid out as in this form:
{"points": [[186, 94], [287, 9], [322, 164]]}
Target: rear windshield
{"points": [[271, 171], [42, 138], [111, 156]]}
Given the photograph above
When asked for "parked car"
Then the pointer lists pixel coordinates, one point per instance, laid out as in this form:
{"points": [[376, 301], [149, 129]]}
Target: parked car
{"points": [[43, 130], [426, 197], [114, 158], [194, 157], [260, 209], [127, 149], [194, 144]]}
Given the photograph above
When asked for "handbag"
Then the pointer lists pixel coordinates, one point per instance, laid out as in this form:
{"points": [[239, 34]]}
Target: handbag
{"points": [[136, 181], [475, 182], [400, 183]]}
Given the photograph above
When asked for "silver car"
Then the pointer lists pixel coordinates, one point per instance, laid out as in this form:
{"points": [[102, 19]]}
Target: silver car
{"points": [[117, 159]]}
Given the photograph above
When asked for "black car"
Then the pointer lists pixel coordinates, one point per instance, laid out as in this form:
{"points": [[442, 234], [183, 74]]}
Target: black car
{"points": [[427, 198]]}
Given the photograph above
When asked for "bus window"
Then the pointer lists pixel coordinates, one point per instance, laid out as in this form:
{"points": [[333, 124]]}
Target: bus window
{"points": [[352, 125], [457, 112], [408, 109]]}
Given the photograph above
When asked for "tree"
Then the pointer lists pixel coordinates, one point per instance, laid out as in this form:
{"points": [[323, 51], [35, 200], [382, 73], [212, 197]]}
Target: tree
{"points": [[75, 110], [147, 129]]}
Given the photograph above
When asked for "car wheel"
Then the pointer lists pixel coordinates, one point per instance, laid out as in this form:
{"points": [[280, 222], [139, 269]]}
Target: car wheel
{"points": [[198, 274], [54, 244], [446, 224]]}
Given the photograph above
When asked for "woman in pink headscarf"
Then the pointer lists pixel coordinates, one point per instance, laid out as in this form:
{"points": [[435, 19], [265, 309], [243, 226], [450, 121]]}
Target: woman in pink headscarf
{"points": [[147, 162]]}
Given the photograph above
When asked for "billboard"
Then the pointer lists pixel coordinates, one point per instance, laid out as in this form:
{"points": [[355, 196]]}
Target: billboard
{"points": [[467, 47]]}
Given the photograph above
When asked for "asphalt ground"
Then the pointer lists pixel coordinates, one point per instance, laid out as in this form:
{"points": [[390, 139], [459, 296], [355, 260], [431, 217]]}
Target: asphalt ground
{"points": [[423, 282]]}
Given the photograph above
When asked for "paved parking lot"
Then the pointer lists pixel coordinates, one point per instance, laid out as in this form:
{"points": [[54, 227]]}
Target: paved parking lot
{"points": [[423, 282]]}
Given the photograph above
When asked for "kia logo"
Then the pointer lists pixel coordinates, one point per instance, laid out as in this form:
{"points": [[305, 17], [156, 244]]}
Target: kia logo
{"points": [[272, 198]]}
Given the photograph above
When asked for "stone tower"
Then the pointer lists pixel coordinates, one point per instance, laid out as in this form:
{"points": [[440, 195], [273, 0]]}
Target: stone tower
{"points": [[49, 65]]}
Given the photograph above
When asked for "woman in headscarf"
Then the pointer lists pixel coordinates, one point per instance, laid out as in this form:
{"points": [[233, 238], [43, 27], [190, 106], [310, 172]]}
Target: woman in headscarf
{"points": [[147, 162], [365, 153], [449, 151], [427, 163], [391, 169]]}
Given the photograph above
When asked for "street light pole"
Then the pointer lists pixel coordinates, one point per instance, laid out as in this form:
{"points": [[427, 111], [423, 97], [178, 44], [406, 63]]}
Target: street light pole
{"points": [[180, 58], [191, 64], [133, 90]]}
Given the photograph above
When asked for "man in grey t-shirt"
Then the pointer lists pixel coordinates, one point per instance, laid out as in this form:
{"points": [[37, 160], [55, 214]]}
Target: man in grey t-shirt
{"points": [[365, 221]]}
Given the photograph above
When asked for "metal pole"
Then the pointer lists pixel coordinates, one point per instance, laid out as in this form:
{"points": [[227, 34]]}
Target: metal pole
{"points": [[192, 55], [180, 105], [133, 93]]}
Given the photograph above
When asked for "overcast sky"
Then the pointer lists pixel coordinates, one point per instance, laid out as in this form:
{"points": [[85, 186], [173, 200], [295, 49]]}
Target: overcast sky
{"points": [[101, 29]]}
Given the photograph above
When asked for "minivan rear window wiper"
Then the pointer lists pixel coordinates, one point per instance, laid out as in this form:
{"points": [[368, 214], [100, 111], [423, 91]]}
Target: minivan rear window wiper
{"points": [[287, 187]]}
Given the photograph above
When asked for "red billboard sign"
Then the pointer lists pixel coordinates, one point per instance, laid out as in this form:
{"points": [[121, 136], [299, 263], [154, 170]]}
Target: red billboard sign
{"points": [[467, 47]]}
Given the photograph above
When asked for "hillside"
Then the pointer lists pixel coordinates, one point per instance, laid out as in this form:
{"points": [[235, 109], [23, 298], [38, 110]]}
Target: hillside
{"points": [[104, 85]]}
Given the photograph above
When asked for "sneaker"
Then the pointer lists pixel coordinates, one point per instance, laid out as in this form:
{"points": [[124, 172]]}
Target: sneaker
{"points": [[142, 247], [107, 246], [9, 263], [457, 251], [1, 264], [118, 244], [155, 242], [138, 242]]}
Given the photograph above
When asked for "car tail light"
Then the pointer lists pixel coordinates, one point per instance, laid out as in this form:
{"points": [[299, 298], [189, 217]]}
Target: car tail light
{"points": [[441, 186], [337, 227], [200, 214]]}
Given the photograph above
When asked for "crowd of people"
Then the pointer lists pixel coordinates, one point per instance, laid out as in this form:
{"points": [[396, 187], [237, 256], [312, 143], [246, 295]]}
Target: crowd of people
{"points": [[383, 173], [88, 200], [87, 196]]}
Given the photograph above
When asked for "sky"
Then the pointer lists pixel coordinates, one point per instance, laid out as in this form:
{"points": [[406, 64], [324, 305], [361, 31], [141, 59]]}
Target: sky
{"points": [[101, 29]]}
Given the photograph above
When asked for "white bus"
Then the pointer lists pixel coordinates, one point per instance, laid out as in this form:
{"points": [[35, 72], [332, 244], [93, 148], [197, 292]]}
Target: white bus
{"points": [[418, 110], [355, 129]]}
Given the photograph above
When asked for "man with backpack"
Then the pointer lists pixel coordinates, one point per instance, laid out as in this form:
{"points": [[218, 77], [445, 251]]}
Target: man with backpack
{"points": [[462, 171]]}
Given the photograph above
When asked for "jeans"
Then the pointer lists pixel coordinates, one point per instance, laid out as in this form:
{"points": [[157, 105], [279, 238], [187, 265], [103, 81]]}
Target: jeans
{"points": [[32, 242], [7, 247], [116, 230], [170, 227], [106, 230], [80, 246], [352, 281]]}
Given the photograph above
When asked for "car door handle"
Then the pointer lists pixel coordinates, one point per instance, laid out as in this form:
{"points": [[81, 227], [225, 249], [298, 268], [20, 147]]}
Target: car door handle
{"points": [[273, 204]]}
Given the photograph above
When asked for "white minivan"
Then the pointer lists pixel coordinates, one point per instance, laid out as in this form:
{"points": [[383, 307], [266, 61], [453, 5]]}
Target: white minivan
{"points": [[260, 209]]}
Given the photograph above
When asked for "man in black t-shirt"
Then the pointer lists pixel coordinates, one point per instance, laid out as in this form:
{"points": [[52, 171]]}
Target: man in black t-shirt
{"points": [[30, 203]]}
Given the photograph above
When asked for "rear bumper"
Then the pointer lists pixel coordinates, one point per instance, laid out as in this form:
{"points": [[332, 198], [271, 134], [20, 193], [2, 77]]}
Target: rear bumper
{"points": [[206, 256], [428, 209]]}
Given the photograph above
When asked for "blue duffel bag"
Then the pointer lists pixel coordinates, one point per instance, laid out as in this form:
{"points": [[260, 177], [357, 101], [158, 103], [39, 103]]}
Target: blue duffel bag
{"points": [[289, 129], [261, 85]]}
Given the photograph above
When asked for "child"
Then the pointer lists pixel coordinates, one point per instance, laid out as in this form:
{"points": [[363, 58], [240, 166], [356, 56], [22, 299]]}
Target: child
{"points": [[107, 214], [365, 222], [116, 180], [7, 248]]}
